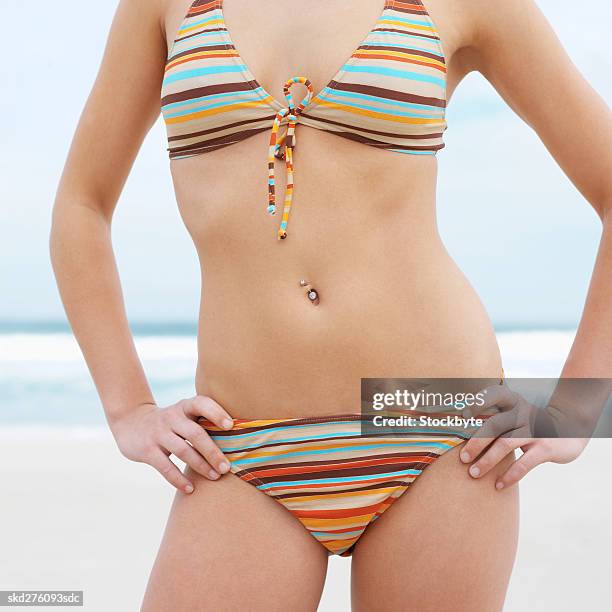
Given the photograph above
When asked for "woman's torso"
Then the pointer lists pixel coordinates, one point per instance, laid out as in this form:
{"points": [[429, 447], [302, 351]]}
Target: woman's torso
{"points": [[363, 233]]}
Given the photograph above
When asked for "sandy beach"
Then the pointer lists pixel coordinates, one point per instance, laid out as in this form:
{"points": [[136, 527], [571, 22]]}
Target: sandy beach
{"points": [[77, 515]]}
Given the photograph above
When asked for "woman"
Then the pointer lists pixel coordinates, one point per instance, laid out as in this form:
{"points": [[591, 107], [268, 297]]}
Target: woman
{"points": [[357, 284]]}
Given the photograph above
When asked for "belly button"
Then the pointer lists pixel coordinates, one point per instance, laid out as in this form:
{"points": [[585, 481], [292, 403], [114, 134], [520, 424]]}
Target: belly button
{"points": [[312, 294]]}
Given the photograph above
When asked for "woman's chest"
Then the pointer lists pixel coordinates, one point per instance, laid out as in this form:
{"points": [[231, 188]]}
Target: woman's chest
{"points": [[274, 39]]}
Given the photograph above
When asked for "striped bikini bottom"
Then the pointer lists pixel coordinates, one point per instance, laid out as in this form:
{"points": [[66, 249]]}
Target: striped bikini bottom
{"points": [[335, 478]]}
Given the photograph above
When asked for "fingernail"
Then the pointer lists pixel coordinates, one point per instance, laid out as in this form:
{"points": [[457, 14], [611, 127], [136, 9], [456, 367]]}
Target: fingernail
{"points": [[227, 423], [465, 457], [474, 471], [499, 485], [188, 488], [212, 474]]}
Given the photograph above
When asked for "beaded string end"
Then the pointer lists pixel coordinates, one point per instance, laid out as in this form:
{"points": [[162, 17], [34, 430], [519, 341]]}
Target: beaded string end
{"points": [[276, 150]]}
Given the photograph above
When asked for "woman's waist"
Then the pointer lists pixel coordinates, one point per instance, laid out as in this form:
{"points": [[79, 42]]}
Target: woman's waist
{"points": [[347, 348], [425, 302], [312, 370]]}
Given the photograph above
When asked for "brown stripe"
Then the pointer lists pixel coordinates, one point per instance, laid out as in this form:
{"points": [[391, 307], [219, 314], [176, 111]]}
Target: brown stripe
{"points": [[324, 462], [391, 94], [403, 5], [214, 4], [310, 462], [213, 130], [361, 129], [208, 90], [369, 470], [195, 151], [419, 34], [197, 50], [376, 142], [410, 11], [217, 142], [407, 50], [198, 32], [287, 423], [258, 445], [330, 491], [388, 145]]}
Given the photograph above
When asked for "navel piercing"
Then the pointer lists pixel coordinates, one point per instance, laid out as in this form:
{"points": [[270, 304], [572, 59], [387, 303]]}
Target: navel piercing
{"points": [[313, 296], [312, 293]]}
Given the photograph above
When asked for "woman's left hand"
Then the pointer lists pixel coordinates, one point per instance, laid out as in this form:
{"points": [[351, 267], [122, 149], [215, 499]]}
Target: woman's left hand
{"points": [[489, 448]]}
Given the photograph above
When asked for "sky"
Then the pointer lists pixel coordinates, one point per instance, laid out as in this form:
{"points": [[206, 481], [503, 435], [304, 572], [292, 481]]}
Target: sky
{"points": [[519, 230]]}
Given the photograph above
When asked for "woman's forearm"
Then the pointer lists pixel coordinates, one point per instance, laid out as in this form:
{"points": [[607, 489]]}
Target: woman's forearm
{"points": [[591, 353], [87, 277], [576, 407]]}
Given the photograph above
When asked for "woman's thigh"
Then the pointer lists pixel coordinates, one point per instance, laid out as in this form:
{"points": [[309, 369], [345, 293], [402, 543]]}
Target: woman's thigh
{"points": [[228, 547], [448, 543]]}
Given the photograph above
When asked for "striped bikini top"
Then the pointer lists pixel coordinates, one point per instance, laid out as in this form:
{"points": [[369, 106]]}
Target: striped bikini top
{"points": [[390, 93]]}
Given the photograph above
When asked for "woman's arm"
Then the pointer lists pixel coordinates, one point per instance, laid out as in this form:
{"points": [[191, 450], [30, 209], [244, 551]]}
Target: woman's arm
{"points": [[121, 108], [119, 112], [514, 47], [517, 51]]}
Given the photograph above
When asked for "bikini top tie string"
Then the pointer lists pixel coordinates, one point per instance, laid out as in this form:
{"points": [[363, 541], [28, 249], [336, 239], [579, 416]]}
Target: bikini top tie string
{"points": [[275, 150]]}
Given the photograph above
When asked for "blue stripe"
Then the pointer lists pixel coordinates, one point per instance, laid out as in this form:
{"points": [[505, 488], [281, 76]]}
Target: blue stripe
{"points": [[412, 152], [289, 483], [196, 72], [330, 91], [394, 72], [395, 113], [194, 47], [404, 47], [285, 428], [419, 38], [408, 21], [342, 449], [337, 536], [246, 96], [192, 24], [292, 440]]}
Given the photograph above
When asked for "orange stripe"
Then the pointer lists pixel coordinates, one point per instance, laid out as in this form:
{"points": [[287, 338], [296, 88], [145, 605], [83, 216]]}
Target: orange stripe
{"points": [[391, 490], [200, 55], [202, 7], [332, 531], [338, 513], [407, 478], [263, 472], [431, 64]]}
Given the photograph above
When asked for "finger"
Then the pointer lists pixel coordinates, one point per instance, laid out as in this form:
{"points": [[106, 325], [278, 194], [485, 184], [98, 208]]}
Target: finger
{"points": [[495, 426], [522, 466], [203, 444], [205, 406], [170, 472], [185, 452], [497, 451], [473, 448], [494, 395]]}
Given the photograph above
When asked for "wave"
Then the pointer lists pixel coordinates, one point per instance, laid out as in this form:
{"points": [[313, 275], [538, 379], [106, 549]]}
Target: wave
{"points": [[44, 378]]}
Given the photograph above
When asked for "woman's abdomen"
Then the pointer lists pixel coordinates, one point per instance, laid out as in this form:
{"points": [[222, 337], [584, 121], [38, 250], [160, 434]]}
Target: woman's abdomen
{"points": [[363, 233], [265, 350]]}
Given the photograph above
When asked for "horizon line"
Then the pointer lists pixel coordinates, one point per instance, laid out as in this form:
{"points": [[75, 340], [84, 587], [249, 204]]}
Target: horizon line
{"points": [[184, 327]]}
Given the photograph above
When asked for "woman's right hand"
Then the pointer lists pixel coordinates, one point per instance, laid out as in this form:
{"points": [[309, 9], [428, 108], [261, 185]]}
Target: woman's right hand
{"points": [[150, 434]]}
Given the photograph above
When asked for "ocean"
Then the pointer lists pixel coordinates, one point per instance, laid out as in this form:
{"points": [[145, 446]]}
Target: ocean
{"points": [[44, 381]]}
